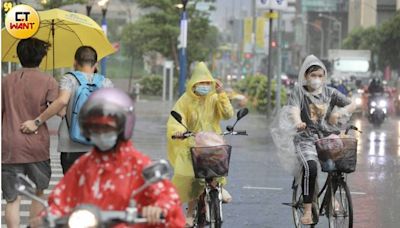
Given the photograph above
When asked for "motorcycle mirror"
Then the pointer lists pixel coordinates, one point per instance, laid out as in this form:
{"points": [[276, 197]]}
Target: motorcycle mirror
{"points": [[178, 118], [153, 173], [26, 187], [157, 171], [242, 113], [229, 128]]}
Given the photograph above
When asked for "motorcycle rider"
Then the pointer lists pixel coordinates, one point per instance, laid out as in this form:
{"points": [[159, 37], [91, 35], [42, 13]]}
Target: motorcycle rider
{"points": [[337, 84], [202, 107], [375, 90], [107, 175], [375, 86], [310, 106]]}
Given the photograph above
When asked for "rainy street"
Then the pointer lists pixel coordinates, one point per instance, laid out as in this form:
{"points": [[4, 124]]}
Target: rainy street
{"points": [[299, 67], [258, 183]]}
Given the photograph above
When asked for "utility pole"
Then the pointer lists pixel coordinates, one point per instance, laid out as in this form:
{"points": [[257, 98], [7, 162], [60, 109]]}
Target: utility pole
{"points": [[269, 101], [253, 37], [182, 48], [279, 70]]}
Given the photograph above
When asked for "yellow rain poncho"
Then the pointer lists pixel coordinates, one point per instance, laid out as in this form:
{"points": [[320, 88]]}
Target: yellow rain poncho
{"points": [[199, 113]]}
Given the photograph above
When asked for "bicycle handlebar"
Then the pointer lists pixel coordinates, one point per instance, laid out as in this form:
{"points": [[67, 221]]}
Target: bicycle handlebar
{"points": [[184, 136], [239, 132], [190, 134]]}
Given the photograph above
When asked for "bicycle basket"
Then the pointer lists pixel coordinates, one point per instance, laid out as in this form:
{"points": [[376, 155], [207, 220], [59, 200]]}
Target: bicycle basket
{"points": [[337, 154], [212, 161]]}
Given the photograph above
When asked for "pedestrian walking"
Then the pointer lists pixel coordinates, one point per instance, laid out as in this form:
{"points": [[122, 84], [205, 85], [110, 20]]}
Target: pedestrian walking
{"points": [[75, 87], [25, 94]]}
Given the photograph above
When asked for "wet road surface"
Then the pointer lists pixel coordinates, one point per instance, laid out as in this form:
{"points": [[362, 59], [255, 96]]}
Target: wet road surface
{"points": [[258, 183]]}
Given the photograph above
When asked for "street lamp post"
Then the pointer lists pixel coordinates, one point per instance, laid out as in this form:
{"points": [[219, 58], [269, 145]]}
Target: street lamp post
{"points": [[103, 5], [339, 23], [321, 51], [182, 48]]}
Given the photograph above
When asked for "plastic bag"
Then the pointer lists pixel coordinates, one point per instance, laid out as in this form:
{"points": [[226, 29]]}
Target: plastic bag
{"points": [[330, 147], [203, 139]]}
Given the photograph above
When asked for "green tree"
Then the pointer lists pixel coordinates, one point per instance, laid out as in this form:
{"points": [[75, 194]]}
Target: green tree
{"points": [[158, 30], [364, 39], [389, 45], [383, 42], [51, 4]]}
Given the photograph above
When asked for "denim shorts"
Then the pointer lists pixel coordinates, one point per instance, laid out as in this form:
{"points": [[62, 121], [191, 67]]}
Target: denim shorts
{"points": [[38, 172]]}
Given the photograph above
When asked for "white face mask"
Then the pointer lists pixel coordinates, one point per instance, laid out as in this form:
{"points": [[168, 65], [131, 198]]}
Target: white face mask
{"points": [[104, 141], [315, 83]]}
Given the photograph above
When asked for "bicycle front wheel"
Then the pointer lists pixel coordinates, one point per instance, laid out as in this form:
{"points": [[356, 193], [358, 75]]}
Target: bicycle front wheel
{"points": [[341, 207], [215, 210]]}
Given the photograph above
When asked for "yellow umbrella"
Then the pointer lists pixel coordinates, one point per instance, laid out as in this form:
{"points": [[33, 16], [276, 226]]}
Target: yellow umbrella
{"points": [[65, 31]]}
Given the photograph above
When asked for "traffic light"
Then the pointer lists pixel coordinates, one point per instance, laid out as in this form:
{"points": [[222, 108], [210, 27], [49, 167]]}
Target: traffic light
{"points": [[248, 55], [273, 44]]}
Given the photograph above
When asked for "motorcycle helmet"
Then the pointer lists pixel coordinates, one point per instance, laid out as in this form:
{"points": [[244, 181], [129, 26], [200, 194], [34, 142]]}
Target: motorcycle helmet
{"points": [[108, 106]]}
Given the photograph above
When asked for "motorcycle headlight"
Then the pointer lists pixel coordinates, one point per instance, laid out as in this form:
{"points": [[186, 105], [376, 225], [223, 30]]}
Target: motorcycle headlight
{"points": [[373, 103], [358, 101], [83, 218], [382, 103], [360, 91]]}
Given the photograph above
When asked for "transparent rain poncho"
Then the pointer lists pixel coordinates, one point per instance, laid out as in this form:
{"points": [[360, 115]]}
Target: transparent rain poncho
{"points": [[314, 109]]}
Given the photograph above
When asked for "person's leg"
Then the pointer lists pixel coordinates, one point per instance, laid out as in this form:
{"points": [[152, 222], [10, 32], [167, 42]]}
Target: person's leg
{"points": [[40, 174], [68, 159], [8, 176], [310, 171], [189, 213], [36, 207], [11, 213]]}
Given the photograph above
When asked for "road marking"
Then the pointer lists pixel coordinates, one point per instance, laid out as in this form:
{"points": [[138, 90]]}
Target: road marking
{"points": [[23, 202], [56, 169], [21, 213], [358, 193], [262, 188]]}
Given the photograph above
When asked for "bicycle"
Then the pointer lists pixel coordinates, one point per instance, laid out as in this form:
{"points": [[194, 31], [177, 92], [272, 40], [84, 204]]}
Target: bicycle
{"points": [[209, 163], [338, 156]]}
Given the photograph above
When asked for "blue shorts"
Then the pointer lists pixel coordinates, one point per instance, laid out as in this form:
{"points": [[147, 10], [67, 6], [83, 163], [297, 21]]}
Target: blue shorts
{"points": [[38, 172]]}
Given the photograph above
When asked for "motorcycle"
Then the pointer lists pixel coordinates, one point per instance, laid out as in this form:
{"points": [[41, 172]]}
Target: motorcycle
{"points": [[377, 109], [209, 163], [88, 215]]}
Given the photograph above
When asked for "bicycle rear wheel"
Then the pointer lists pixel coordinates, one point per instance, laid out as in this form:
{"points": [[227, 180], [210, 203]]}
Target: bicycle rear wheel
{"points": [[215, 210], [340, 207]]}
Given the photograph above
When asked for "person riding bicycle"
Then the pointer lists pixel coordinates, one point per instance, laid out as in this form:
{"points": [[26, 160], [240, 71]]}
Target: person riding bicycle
{"points": [[111, 171], [313, 111], [202, 107]]}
